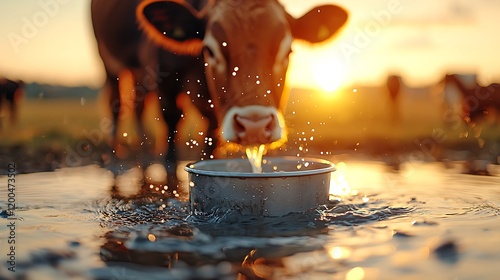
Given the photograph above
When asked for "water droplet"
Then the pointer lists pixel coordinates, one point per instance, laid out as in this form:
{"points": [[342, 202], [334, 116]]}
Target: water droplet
{"points": [[151, 237]]}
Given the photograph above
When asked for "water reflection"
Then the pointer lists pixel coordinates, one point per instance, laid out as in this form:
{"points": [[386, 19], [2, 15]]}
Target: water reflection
{"points": [[339, 186], [419, 222], [357, 273], [339, 253], [280, 263]]}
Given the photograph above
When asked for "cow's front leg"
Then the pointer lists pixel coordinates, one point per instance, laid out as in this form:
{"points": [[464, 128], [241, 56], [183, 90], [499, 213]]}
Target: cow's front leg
{"points": [[114, 103], [196, 86], [141, 88], [172, 114]]}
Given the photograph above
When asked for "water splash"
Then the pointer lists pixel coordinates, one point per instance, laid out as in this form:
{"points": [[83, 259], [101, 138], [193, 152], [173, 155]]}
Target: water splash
{"points": [[254, 155]]}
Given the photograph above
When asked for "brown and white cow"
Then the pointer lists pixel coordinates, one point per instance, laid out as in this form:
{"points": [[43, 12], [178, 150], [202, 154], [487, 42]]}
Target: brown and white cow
{"points": [[231, 55]]}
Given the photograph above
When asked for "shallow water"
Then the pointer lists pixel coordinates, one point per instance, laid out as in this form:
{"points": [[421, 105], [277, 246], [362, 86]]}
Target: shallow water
{"points": [[423, 221]]}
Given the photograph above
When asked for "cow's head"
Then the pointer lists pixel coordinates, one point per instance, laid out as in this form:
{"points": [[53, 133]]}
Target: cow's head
{"points": [[245, 45]]}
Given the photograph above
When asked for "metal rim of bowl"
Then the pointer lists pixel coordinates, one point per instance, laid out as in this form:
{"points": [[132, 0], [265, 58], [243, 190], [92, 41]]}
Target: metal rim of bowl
{"points": [[330, 167]]}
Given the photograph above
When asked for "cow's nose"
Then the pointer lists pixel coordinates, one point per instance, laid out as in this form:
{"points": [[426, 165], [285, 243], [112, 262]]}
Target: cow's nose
{"points": [[254, 130]]}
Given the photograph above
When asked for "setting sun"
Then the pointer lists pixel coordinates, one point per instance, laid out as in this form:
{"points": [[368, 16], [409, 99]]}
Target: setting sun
{"points": [[329, 75]]}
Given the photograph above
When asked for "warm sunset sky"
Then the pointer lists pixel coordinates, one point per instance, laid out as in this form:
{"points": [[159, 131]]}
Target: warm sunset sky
{"points": [[421, 39]]}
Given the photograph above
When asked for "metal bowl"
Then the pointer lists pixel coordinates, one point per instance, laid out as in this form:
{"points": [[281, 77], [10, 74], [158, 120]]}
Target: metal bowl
{"points": [[286, 185]]}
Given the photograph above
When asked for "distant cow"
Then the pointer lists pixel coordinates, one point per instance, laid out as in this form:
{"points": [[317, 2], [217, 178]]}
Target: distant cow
{"points": [[476, 101], [393, 85], [10, 92], [231, 57], [477, 104]]}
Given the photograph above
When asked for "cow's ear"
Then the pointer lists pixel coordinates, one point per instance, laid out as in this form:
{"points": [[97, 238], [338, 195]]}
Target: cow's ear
{"points": [[318, 24], [174, 25]]}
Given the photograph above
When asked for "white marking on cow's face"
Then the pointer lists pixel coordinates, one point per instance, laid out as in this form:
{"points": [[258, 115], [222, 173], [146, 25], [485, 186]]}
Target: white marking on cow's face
{"points": [[213, 53]]}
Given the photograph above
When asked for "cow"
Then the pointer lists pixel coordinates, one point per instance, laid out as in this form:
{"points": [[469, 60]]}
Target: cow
{"points": [[230, 56], [477, 102], [393, 85], [10, 92]]}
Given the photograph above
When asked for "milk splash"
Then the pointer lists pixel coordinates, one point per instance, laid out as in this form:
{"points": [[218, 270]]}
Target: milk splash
{"points": [[254, 155]]}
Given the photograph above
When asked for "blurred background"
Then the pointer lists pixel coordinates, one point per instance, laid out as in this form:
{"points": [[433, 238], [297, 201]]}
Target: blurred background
{"points": [[378, 90]]}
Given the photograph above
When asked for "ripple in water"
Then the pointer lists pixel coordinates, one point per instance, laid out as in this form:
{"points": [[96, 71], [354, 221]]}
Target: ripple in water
{"points": [[157, 232]]}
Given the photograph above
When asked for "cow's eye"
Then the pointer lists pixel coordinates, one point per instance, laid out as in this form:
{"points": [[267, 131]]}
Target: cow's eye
{"points": [[208, 52]]}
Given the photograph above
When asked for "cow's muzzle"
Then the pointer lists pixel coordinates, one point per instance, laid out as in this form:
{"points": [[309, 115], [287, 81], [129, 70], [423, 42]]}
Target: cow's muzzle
{"points": [[252, 125]]}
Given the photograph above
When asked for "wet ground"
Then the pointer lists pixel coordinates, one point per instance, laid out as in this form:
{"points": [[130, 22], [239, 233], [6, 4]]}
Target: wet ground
{"points": [[424, 221]]}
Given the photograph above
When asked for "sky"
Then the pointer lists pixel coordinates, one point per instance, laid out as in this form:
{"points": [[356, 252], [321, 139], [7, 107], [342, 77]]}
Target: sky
{"points": [[51, 41]]}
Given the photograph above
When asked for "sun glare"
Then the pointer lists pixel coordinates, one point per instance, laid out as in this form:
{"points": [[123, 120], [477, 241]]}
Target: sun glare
{"points": [[329, 75]]}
